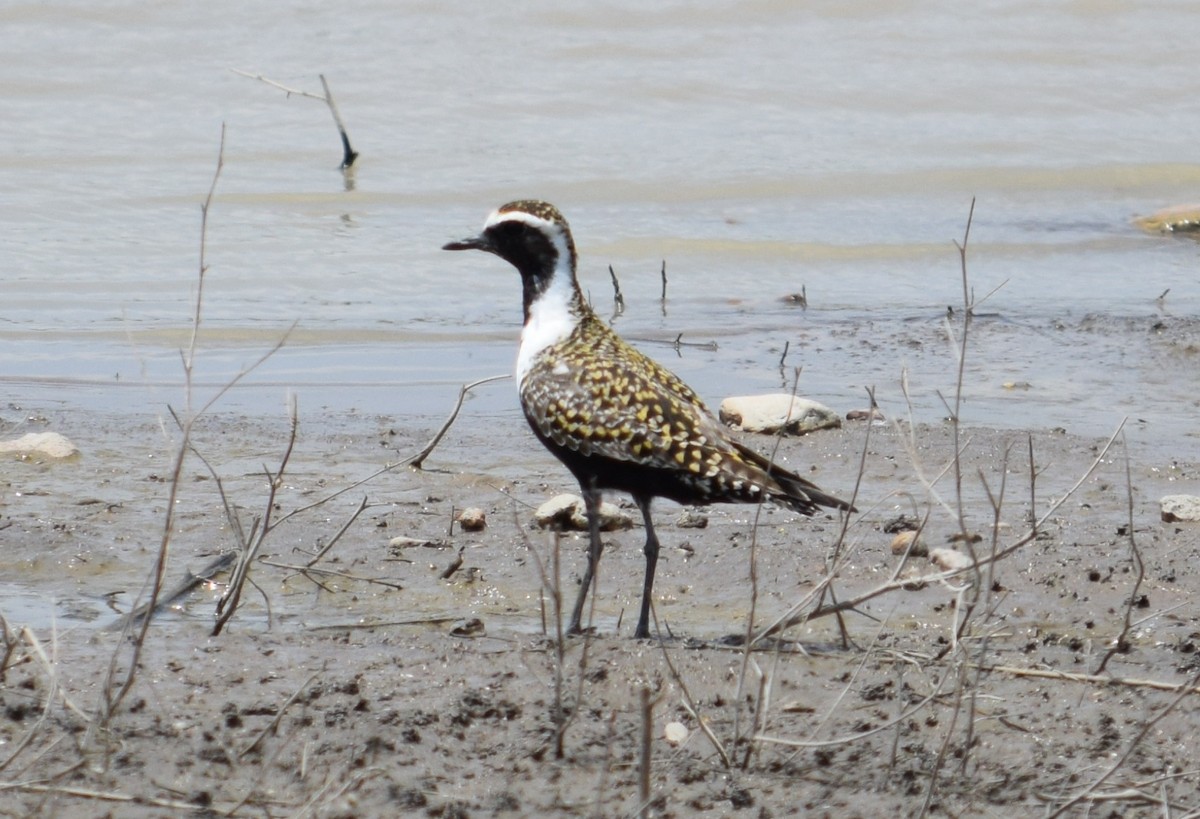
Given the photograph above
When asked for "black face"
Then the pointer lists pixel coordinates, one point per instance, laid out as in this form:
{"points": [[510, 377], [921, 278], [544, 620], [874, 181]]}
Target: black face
{"points": [[530, 248], [525, 247]]}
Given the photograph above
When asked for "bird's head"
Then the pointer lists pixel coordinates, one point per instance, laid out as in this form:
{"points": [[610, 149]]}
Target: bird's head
{"points": [[530, 235]]}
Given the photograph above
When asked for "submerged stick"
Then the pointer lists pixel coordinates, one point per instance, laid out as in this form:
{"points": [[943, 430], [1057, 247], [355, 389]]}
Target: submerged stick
{"points": [[349, 155], [177, 592], [618, 299]]}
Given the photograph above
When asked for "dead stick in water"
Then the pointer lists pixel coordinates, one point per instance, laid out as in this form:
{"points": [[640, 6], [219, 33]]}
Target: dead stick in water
{"points": [[182, 589], [348, 153]]}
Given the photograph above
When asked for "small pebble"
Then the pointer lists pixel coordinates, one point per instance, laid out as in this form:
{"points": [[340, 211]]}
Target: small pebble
{"points": [[472, 627], [907, 542], [1180, 508], [472, 519], [949, 559], [567, 512], [675, 732], [911, 579]]}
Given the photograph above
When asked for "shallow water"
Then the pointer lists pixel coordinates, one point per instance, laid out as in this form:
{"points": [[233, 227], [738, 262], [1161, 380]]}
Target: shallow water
{"points": [[759, 149]]}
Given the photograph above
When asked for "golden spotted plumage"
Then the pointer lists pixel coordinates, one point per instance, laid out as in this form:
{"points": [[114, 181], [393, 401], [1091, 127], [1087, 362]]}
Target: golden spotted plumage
{"points": [[595, 395], [614, 417]]}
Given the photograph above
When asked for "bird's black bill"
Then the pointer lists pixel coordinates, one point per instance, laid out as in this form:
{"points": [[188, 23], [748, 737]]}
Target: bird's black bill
{"points": [[470, 243]]}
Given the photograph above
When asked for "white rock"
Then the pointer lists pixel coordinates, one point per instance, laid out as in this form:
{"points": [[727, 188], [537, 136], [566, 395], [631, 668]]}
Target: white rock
{"points": [[567, 511], [949, 559], [907, 542], [675, 732], [770, 413], [40, 445], [1180, 508], [472, 519], [401, 542]]}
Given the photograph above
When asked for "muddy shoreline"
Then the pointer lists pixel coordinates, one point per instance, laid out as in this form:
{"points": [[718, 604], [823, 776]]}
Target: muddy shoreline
{"points": [[349, 693]]}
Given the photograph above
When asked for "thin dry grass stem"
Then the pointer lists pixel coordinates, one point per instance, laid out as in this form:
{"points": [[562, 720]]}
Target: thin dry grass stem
{"points": [[265, 767], [1089, 679], [311, 573], [324, 550], [273, 726], [417, 460], [960, 682], [756, 716], [328, 794], [249, 547], [978, 592], [644, 756], [984, 585], [1121, 643], [909, 441], [49, 667], [955, 415], [189, 358], [1183, 692], [250, 544], [852, 738], [551, 584], [610, 736], [102, 796], [689, 703], [111, 698], [851, 683], [833, 557], [11, 641], [747, 642]]}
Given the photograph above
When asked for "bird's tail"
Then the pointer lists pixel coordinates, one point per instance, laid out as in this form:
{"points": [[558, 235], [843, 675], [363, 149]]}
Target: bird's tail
{"points": [[802, 495]]}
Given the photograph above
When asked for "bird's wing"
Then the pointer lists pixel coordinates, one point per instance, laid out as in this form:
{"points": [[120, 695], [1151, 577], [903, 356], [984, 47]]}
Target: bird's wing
{"points": [[617, 403]]}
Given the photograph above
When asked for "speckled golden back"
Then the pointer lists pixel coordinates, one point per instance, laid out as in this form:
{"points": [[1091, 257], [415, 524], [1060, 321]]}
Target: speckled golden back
{"points": [[595, 395]]}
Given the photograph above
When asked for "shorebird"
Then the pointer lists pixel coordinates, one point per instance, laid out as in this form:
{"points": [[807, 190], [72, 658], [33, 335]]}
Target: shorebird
{"points": [[615, 418]]}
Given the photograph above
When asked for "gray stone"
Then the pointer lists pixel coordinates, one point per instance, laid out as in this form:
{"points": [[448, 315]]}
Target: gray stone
{"points": [[567, 512], [1180, 508], [1175, 219], [40, 445], [949, 560], [773, 412], [472, 519], [906, 542]]}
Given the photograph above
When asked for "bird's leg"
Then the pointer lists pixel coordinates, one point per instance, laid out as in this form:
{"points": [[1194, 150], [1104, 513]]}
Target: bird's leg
{"points": [[651, 552], [591, 504]]}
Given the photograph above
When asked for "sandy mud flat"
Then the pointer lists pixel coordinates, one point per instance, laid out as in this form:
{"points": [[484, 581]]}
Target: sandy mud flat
{"points": [[370, 684]]}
